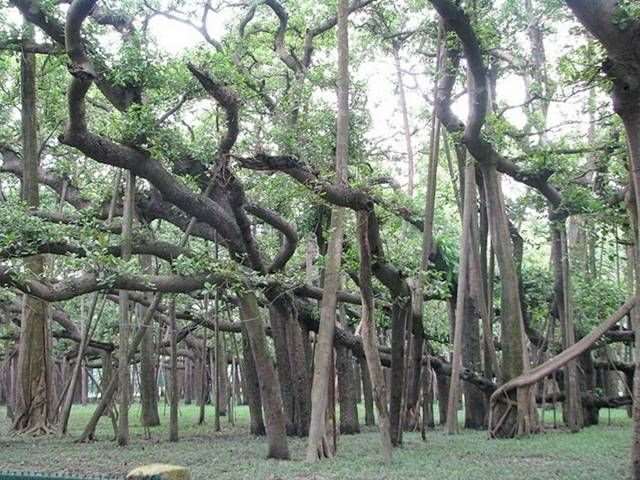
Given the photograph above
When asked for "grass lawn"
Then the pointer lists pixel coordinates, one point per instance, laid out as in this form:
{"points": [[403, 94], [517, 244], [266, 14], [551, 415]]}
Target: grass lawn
{"points": [[600, 452]]}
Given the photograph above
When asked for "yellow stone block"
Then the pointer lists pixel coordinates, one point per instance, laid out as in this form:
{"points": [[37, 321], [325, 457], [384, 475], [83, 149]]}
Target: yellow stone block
{"points": [[159, 471]]}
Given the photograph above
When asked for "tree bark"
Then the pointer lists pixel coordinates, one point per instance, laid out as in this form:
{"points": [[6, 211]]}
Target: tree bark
{"points": [[267, 378], [148, 380], [369, 338], [367, 393], [175, 392], [463, 297], [523, 419], [34, 392], [124, 378], [256, 425], [346, 392], [317, 446], [405, 120]]}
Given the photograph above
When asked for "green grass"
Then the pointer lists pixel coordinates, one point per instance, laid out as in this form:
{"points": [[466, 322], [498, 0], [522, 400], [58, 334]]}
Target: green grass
{"points": [[596, 452]]}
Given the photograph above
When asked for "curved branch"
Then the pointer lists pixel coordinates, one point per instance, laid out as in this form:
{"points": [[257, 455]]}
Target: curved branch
{"points": [[290, 235], [92, 282], [538, 373], [228, 100]]}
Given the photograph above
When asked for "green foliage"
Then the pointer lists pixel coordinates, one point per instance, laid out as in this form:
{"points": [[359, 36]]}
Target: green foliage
{"points": [[627, 14], [595, 300]]}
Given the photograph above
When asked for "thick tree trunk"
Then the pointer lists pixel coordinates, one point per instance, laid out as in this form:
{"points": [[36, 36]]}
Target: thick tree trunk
{"points": [[442, 384], [367, 393], [252, 391], [346, 392], [428, 388], [34, 392], [475, 401], [267, 378], [300, 374], [278, 320], [522, 420], [204, 359], [357, 382], [188, 381], [401, 309], [587, 386], [148, 380]]}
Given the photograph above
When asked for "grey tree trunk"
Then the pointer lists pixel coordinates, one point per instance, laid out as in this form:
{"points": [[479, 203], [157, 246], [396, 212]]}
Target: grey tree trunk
{"points": [[349, 423], [318, 446], [267, 378], [124, 378], [175, 391], [34, 392]]}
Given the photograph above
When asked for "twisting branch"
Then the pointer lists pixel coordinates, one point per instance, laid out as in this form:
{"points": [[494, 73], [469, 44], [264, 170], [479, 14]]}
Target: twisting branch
{"points": [[228, 100], [91, 282], [137, 161], [276, 221]]}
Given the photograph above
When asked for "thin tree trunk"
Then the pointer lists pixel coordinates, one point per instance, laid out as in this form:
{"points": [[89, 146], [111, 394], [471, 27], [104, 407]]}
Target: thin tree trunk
{"points": [[405, 120], [630, 113], [203, 377], [469, 209], [427, 247], [68, 394], [572, 393], [175, 394], [369, 338], [123, 352], [317, 446]]}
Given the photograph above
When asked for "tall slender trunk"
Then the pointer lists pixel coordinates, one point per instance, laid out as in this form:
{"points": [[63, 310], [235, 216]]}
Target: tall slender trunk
{"points": [[216, 347], [123, 352], [563, 295], [77, 368], [369, 338], [629, 109], [34, 393], [427, 247], [468, 210], [405, 120], [175, 392], [317, 446], [204, 360]]}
